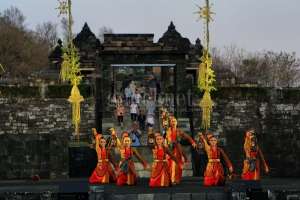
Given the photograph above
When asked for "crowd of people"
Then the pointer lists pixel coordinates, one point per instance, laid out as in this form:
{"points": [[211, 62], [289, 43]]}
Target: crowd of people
{"points": [[138, 102]]}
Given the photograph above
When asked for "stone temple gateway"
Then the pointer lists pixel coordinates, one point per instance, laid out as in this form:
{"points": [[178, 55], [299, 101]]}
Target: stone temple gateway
{"points": [[172, 55]]}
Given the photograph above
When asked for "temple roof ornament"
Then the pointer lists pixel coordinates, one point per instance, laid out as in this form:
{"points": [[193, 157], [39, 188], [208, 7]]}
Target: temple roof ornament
{"points": [[198, 46], [172, 38], [57, 52], [86, 39]]}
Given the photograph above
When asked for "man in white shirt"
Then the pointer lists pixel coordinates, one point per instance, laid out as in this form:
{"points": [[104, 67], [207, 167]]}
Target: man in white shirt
{"points": [[137, 97], [133, 111]]}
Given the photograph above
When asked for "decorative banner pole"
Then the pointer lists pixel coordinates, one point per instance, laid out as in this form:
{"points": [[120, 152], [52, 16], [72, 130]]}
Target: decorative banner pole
{"points": [[206, 77], [70, 67]]}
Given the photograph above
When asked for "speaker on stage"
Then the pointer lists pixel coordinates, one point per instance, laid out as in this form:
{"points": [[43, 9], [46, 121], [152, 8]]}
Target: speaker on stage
{"points": [[82, 161]]}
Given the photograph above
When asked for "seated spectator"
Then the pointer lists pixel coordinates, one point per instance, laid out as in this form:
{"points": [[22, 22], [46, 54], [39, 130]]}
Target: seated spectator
{"points": [[135, 135]]}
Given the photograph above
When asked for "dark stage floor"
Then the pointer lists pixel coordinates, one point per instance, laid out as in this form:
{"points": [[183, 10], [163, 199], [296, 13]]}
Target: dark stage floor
{"points": [[191, 184]]}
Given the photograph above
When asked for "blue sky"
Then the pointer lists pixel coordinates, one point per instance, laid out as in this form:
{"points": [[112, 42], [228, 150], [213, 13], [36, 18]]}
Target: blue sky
{"points": [[254, 25]]}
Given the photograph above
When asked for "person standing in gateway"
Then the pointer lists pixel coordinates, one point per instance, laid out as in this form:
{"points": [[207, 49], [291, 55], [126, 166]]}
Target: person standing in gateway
{"points": [[133, 111]]}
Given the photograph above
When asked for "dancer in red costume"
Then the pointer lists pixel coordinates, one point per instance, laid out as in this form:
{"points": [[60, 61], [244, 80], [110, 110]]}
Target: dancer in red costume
{"points": [[214, 173], [96, 137], [173, 136], [160, 174], [254, 158], [127, 174], [103, 172]]}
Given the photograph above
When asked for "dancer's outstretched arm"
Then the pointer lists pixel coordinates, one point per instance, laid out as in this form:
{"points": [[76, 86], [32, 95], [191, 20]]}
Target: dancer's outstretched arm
{"points": [[204, 142], [187, 137], [140, 158], [226, 159], [112, 160], [266, 167], [171, 155]]}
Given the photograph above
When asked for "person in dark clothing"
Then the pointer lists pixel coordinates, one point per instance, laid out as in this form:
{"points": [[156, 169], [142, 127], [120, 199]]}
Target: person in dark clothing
{"points": [[142, 119]]}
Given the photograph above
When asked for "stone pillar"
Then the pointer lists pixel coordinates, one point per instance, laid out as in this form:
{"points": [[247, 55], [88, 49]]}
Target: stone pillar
{"points": [[98, 104], [180, 85], [175, 89]]}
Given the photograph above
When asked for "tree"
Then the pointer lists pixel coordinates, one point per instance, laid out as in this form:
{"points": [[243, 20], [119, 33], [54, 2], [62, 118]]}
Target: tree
{"points": [[20, 51], [14, 17], [103, 30], [47, 33], [267, 69]]}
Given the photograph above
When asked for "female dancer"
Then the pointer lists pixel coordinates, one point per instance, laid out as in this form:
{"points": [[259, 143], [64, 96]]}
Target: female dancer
{"points": [[160, 175], [103, 172], [172, 142], [214, 173], [254, 157], [127, 174]]}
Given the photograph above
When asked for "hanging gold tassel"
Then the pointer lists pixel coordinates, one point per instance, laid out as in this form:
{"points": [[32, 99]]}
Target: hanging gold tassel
{"points": [[70, 71], [65, 68], [206, 80], [206, 105], [75, 99], [206, 76], [201, 76]]}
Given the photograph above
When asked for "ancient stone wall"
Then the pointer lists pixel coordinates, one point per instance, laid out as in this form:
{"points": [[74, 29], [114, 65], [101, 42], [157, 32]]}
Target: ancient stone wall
{"points": [[275, 114], [34, 132]]}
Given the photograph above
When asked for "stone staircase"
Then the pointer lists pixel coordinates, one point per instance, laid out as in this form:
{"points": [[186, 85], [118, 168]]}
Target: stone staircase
{"points": [[144, 150], [127, 124]]}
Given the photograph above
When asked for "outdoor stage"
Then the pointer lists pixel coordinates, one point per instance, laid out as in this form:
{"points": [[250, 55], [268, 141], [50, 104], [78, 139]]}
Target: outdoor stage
{"points": [[190, 189]]}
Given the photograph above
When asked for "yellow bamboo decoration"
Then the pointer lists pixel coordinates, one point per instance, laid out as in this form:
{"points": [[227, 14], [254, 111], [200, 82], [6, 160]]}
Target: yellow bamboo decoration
{"points": [[206, 76], [70, 68], [1, 68], [75, 99]]}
